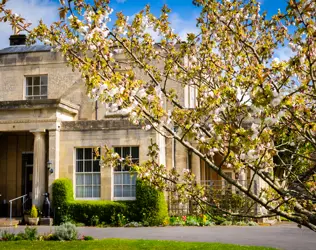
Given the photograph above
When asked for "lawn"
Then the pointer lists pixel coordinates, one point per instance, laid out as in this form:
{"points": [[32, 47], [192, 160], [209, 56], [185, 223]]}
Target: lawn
{"points": [[118, 244]]}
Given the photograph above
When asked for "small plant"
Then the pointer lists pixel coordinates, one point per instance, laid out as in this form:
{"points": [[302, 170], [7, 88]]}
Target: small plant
{"points": [[177, 221], [252, 223], [227, 223], [7, 236], [119, 220], [192, 221], [47, 237], [218, 219], [241, 223], [94, 221], [79, 224], [66, 231], [87, 238], [133, 224], [67, 218], [34, 212], [30, 233]]}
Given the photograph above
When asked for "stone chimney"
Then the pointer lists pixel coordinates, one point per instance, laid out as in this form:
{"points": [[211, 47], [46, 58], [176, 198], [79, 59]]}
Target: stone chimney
{"points": [[17, 40]]}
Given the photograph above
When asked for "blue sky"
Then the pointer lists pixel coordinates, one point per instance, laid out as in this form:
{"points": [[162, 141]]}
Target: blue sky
{"points": [[182, 17], [183, 7]]}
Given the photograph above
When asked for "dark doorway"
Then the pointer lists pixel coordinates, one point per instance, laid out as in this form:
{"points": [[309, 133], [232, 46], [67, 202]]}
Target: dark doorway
{"points": [[27, 178]]}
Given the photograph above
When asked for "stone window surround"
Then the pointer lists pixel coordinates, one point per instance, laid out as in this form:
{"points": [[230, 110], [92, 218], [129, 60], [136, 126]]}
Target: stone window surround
{"points": [[75, 172], [25, 96]]}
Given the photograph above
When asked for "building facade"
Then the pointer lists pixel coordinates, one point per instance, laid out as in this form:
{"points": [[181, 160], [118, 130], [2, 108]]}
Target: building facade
{"points": [[49, 129]]}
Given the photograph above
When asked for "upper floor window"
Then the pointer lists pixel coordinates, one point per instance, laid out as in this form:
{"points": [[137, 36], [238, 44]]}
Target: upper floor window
{"points": [[88, 176], [36, 87], [124, 180]]}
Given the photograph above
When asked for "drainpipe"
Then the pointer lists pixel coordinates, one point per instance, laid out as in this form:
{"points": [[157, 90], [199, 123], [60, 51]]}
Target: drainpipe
{"points": [[174, 145], [96, 110]]}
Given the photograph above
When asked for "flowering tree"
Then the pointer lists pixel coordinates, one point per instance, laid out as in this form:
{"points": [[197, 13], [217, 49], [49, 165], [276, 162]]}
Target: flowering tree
{"points": [[254, 110]]}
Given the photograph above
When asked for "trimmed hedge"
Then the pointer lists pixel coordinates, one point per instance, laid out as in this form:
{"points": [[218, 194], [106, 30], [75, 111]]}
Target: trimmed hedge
{"points": [[62, 195], [84, 211], [150, 206]]}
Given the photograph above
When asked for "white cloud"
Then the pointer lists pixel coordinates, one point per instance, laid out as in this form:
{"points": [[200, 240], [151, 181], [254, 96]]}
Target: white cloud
{"points": [[180, 25], [32, 11], [183, 26], [284, 53]]}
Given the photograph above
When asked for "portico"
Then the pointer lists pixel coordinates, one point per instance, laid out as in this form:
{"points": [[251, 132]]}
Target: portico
{"points": [[29, 138]]}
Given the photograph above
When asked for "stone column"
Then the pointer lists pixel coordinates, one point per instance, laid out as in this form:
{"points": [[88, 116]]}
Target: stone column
{"points": [[196, 167], [39, 167], [53, 156]]}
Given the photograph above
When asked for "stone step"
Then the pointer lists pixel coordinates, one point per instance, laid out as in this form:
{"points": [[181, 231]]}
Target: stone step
{"points": [[5, 222]]}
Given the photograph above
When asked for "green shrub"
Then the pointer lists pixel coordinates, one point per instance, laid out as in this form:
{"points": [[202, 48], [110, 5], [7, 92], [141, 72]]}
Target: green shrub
{"points": [[241, 223], [150, 205], [226, 223], [66, 231], [7, 236], [252, 223], [34, 213], [119, 220], [88, 238], [84, 211], [30, 233], [62, 195]]}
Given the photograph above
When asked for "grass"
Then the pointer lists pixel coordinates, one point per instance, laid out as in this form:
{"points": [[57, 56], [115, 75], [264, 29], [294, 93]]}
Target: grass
{"points": [[118, 244]]}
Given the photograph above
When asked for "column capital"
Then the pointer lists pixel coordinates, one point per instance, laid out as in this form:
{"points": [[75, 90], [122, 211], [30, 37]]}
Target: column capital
{"points": [[38, 131]]}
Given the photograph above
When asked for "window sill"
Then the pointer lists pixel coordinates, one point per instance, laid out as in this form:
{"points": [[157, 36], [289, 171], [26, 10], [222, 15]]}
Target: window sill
{"points": [[124, 198], [87, 199]]}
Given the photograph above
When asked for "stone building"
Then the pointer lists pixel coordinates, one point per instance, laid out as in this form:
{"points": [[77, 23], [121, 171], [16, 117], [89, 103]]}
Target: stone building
{"points": [[49, 129]]}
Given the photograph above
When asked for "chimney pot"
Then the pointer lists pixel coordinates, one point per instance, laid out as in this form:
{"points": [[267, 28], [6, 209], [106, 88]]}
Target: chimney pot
{"points": [[17, 40]]}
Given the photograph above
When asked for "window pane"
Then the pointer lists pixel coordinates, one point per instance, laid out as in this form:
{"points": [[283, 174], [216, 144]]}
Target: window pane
{"points": [[133, 179], [79, 166], [118, 191], [36, 81], [29, 91], [117, 179], [88, 153], [126, 168], [133, 191], [36, 97], [28, 81], [36, 90], [96, 192], [135, 152], [96, 179], [126, 152], [79, 179], [88, 179], [44, 90], [127, 191], [88, 166], [79, 153], [79, 192], [117, 150], [44, 80], [96, 166], [118, 167], [126, 178], [88, 192]]}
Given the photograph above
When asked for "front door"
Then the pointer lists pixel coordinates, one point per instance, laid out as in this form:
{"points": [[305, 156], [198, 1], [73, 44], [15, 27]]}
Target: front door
{"points": [[27, 178]]}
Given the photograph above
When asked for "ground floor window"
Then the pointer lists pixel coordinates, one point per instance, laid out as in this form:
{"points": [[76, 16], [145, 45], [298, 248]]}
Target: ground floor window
{"points": [[88, 177], [124, 179]]}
